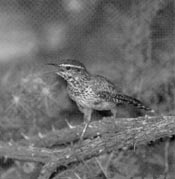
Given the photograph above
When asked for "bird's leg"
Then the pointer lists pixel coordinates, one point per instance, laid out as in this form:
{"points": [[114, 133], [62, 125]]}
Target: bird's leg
{"points": [[114, 114], [87, 118]]}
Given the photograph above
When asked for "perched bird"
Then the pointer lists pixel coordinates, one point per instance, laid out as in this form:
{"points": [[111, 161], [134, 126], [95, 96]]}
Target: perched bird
{"points": [[92, 92]]}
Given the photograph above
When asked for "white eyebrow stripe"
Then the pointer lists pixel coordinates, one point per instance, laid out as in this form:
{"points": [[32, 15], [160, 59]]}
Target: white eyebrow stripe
{"points": [[69, 65]]}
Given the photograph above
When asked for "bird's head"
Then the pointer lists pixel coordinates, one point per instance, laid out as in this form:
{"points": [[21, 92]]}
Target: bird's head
{"points": [[70, 69]]}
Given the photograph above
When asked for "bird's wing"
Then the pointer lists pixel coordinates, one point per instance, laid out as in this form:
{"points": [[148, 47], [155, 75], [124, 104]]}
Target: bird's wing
{"points": [[100, 83], [109, 97], [123, 99], [107, 91]]}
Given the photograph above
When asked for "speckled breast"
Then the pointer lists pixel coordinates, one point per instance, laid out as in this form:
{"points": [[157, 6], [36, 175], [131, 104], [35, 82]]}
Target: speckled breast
{"points": [[86, 97], [83, 95]]}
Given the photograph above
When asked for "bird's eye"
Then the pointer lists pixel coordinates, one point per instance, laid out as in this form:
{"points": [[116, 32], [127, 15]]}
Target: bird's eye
{"points": [[78, 70], [67, 68]]}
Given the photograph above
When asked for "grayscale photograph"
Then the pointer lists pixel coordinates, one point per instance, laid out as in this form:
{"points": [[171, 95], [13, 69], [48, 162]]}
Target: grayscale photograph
{"points": [[87, 89]]}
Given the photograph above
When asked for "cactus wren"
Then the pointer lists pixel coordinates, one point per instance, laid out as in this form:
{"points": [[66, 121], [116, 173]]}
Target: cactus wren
{"points": [[92, 92]]}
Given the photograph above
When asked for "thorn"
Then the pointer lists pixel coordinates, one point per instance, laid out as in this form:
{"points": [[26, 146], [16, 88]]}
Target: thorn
{"points": [[31, 146], [69, 125], [11, 142], [147, 116], [152, 111], [67, 156], [101, 150], [25, 136], [90, 126], [98, 133], [78, 177], [40, 135], [144, 122], [164, 117], [125, 148]]}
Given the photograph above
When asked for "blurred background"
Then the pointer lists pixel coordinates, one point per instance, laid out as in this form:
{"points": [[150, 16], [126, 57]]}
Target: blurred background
{"points": [[131, 42]]}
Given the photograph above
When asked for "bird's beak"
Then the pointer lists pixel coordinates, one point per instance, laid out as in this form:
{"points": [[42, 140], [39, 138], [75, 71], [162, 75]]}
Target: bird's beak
{"points": [[58, 72], [53, 64]]}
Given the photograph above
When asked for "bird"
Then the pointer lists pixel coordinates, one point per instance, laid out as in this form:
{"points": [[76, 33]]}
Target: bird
{"points": [[92, 92]]}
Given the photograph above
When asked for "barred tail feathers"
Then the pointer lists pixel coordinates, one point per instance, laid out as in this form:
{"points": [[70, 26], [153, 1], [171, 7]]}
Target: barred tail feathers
{"points": [[130, 100]]}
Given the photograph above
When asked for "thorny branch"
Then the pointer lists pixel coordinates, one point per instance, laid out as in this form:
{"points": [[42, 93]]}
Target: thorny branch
{"points": [[101, 137]]}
